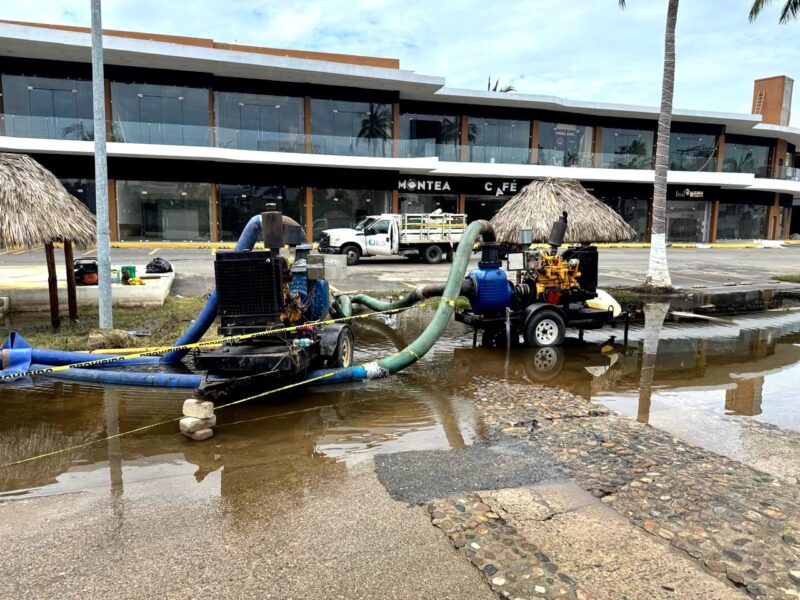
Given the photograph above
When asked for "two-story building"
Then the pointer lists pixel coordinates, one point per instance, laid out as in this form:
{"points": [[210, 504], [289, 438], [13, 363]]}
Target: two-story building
{"points": [[202, 135]]}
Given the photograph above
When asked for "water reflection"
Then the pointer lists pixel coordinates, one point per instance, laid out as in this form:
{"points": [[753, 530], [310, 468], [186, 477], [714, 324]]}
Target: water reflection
{"points": [[668, 375]]}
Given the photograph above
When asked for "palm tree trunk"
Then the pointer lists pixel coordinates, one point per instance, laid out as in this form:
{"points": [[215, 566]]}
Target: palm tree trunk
{"points": [[658, 271]]}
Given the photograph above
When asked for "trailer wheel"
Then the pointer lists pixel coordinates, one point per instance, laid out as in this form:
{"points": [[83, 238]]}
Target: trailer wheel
{"points": [[344, 350], [432, 255], [353, 254], [545, 328]]}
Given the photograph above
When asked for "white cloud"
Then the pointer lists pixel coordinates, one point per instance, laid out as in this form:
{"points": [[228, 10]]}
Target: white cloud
{"points": [[582, 49]]}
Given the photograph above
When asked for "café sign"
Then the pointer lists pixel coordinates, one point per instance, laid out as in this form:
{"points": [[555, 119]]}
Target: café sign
{"points": [[472, 186]]}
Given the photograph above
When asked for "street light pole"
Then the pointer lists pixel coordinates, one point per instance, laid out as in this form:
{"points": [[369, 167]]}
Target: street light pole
{"points": [[101, 172]]}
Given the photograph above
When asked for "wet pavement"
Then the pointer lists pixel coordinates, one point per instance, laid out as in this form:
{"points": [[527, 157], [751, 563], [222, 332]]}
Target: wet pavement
{"points": [[332, 469]]}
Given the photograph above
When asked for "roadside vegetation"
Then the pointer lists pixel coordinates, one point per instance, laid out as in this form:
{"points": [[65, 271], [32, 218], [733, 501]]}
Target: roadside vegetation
{"points": [[154, 326], [790, 277]]}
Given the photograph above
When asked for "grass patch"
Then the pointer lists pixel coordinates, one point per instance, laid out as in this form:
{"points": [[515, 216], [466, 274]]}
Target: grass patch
{"points": [[790, 277], [162, 325]]}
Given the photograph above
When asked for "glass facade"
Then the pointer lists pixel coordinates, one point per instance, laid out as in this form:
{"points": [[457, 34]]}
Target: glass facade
{"points": [[351, 128], [47, 107], [482, 207], [626, 148], [692, 152], [746, 158], [426, 203], [429, 135], [144, 113], [742, 221], [239, 203], [259, 122], [634, 212], [168, 211], [334, 208], [687, 220], [83, 190], [562, 145], [499, 140]]}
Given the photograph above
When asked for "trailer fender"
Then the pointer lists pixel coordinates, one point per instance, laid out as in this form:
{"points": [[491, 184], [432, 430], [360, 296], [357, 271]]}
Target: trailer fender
{"points": [[329, 339], [532, 309]]}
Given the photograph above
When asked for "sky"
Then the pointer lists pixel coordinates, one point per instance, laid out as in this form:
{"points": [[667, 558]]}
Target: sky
{"points": [[579, 49]]}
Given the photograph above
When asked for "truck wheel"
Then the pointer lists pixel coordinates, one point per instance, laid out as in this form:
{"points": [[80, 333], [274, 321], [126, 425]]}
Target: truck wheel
{"points": [[432, 255], [344, 350], [353, 254], [545, 328]]}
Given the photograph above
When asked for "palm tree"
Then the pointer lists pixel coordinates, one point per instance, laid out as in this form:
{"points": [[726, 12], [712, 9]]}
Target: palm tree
{"points": [[497, 88], [657, 270], [377, 125], [790, 10]]}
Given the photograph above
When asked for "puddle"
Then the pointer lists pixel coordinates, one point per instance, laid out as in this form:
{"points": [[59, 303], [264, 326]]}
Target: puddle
{"points": [[700, 373]]}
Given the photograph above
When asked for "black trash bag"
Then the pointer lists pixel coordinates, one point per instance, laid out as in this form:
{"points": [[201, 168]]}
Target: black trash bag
{"points": [[159, 265]]}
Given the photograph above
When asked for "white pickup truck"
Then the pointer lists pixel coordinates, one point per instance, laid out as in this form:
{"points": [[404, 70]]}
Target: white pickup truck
{"points": [[430, 237]]}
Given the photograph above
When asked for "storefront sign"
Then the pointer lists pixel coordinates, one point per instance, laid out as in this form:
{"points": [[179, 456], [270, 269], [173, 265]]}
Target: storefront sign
{"points": [[472, 186], [687, 193], [424, 185], [500, 188]]}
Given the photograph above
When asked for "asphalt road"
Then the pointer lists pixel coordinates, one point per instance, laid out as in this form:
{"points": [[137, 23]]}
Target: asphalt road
{"points": [[618, 266]]}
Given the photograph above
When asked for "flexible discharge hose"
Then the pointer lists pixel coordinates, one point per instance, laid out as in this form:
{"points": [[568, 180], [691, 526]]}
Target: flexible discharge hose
{"points": [[343, 307], [420, 346]]}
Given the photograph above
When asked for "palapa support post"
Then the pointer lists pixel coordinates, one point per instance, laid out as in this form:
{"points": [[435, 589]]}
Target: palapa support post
{"points": [[52, 284], [72, 295]]}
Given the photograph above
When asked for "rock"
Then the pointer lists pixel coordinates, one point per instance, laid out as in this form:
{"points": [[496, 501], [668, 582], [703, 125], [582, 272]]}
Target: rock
{"points": [[716, 566], [109, 338], [795, 577], [198, 409], [498, 581], [199, 436], [192, 424]]}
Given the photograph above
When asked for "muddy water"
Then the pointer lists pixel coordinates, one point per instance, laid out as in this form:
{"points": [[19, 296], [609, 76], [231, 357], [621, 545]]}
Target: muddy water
{"points": [[748, 366]]}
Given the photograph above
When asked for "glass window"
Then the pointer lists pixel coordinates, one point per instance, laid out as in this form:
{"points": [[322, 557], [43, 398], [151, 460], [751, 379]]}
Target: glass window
{"points": [[692, 151], [742, 221], [335, 208], [239, 203], [259, 122], [499, 140], [482, 207], [159, 114], [381, 226], [563, 145], [746, 158], [427, 203], [83, 190], [687, 221], [626, 148], [159, 210], [429, 135], [46, 107], [634, 211], [351, 128]]}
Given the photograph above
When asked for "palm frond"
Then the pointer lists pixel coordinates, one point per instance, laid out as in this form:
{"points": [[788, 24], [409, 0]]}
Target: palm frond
{"points": [[755, 10]]}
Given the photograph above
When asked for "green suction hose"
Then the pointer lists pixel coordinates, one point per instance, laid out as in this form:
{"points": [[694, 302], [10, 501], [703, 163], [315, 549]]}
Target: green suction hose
{"points": [[452, 289]]}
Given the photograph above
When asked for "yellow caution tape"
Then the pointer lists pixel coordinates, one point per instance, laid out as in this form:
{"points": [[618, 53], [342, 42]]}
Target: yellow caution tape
{"points": [[202, 344]]}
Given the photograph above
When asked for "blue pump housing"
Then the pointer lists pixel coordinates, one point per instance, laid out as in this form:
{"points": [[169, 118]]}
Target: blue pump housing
{"points": [[493, 292]]}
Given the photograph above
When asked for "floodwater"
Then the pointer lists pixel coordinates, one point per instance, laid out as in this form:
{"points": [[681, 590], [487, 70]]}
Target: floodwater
{"points": [[701, 373]]}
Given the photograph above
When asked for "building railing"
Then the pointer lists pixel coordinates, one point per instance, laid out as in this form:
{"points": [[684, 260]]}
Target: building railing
{"points": [[72, 128], [787, 173], [50, 128]]}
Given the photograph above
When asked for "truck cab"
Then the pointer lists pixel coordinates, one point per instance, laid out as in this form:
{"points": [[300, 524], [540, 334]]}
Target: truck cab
{"points": [[374, 235]]}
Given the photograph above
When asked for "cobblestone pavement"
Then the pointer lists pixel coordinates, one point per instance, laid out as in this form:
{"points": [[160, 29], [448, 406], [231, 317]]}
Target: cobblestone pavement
{"points": [[741, 524], [512, 566]]}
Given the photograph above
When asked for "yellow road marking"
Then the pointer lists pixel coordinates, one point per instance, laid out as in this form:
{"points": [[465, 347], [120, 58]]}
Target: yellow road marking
{"points": [[153, 251], [88, 252]]}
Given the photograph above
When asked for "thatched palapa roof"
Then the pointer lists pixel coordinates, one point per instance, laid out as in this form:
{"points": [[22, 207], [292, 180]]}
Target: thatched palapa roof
{"points": [[35, 208], [542, 202]]}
